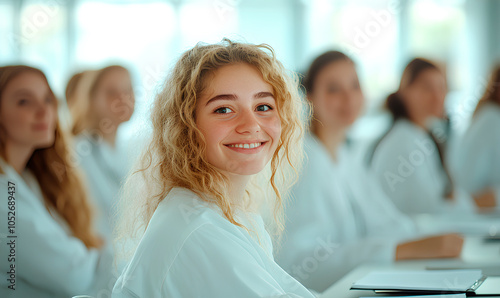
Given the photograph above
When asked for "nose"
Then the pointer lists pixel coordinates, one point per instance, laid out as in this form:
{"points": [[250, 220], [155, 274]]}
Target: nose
{"points": [[42, 110], [248, 123]]}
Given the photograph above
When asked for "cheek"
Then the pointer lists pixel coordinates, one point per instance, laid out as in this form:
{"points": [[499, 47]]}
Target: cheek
{"points": [[357, 105], [326, 108], [17, 123], [52, 116], [213, 132], [102, 106], [214, 135], [273, 128]]}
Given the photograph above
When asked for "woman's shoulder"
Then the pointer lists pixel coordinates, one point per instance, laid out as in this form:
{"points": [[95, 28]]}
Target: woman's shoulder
{"points": [[316, 155], [487, 116], [403, 135], [182, 215], [183, 229], [403, 128]]}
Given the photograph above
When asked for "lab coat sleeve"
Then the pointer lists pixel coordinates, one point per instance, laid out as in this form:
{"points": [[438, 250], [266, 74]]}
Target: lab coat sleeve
{"points": [[47, 257], [320, 262], [224, 265], [496, 189], [472, 165], [310, 250], [476, 164]]}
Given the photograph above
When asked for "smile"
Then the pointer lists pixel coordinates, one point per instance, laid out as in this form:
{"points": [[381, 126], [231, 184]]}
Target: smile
{"points": [[245, 146]]}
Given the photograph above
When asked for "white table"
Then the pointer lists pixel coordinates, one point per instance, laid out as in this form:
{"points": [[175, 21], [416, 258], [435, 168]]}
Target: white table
{"points": [[475, 254]]}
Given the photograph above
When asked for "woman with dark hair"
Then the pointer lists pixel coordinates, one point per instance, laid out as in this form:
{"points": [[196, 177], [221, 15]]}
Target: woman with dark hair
{"points": [[478, 160], [339, 216], [55, 251], [409, 161]]}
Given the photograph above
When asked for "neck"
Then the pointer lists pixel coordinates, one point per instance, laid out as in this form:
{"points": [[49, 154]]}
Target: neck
{"points": [[237, 188], [18, 156], [109, 135], [331, 138], [420, 122]]}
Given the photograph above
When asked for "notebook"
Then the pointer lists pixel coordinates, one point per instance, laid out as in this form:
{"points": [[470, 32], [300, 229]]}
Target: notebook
{"points": [[429, 282], [428, 296]]}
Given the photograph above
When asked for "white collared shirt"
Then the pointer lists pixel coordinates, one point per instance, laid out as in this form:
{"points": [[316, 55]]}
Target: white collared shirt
{"points": [[190, 250]]}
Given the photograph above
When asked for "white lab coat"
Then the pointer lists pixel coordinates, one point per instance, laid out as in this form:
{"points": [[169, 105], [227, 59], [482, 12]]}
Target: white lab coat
{"points": [[105, 170], [409, 169], [477, 164], [49, 261], [190, 250], [336, 219]]}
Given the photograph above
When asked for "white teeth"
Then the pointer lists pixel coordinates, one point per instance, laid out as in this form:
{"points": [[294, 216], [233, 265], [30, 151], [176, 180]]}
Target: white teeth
{"points": [[245, 146]]}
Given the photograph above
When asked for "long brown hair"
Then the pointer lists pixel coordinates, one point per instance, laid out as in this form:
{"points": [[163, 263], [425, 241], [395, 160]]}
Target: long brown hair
{"points": [[492, 92], [59, 181]]}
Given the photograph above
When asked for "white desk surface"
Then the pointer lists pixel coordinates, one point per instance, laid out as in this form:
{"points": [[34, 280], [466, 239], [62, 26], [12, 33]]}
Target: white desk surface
{"points": [[476, 253]]}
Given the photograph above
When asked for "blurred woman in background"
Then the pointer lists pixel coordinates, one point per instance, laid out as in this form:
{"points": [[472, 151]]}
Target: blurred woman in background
{"points": [[57, 252], [339, 217], [478, 161], [99, 102], [409, 161]]}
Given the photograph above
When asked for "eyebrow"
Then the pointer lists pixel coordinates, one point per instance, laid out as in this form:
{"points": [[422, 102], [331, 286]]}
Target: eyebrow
{"points": [[22, 92], [234, 97]]}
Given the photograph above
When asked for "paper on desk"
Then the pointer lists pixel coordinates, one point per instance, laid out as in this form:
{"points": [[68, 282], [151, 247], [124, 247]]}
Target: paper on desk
{"points": [[427, 296], [422, 280]]}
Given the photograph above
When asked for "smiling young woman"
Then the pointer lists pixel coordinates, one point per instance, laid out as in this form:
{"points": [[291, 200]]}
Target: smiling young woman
{"points": [[227, 113]]}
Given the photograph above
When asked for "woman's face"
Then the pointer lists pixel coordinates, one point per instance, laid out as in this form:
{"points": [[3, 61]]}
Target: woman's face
{"points": [[424, 98], [337, 96], [113, 101], [28, 113], [238, 118]]}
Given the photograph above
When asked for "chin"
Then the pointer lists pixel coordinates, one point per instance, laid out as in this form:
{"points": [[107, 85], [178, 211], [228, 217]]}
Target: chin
{"points": [[44, 142], [244, 169]]}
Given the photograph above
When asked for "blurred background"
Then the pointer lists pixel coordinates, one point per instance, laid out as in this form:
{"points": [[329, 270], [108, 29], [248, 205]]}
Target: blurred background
{"points": [[65, 36]]}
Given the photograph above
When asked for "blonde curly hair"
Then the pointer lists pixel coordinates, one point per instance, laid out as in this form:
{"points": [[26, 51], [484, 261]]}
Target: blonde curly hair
{"points": [[175, 156]]}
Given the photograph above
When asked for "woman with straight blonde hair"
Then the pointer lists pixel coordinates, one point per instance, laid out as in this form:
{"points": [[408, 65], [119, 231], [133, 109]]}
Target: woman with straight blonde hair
{"points": [[226, 125], [99, 102], [54, 250], [478, 160]]}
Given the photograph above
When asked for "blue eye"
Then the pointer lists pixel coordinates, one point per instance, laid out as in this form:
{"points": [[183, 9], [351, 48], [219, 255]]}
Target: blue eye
{"points": [[264, 108], [223, 110]]}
